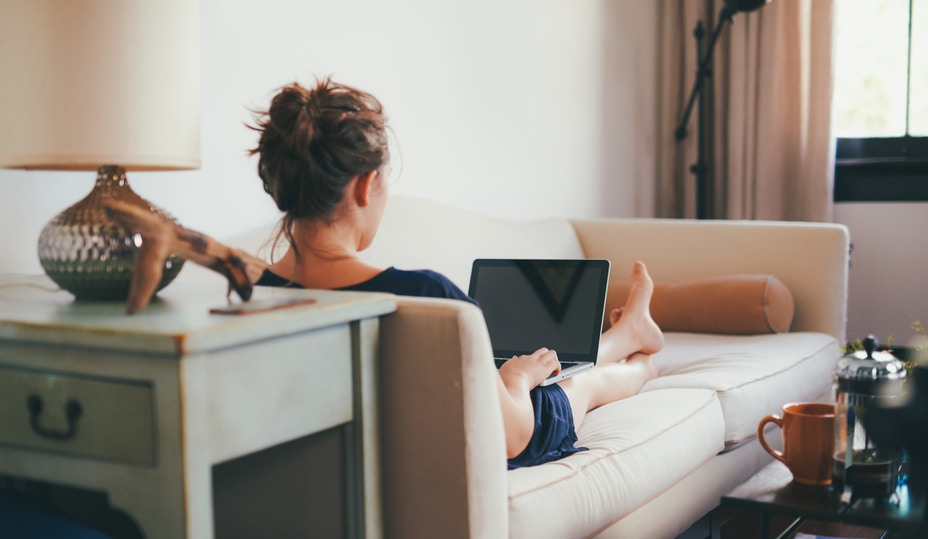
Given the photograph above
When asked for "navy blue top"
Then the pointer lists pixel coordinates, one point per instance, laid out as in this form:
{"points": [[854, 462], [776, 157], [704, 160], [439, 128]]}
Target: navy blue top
{"points": [[420, 283]]}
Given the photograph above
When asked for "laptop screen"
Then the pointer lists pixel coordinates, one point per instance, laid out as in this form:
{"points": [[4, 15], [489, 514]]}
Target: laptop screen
{"points": [[528, 304]]}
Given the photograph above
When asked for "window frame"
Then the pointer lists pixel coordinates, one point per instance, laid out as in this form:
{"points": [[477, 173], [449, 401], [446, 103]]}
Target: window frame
{"points": [[884, 169]]}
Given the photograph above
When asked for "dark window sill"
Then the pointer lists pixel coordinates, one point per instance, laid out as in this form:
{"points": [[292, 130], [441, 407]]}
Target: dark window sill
{"points": [[881, 170]]}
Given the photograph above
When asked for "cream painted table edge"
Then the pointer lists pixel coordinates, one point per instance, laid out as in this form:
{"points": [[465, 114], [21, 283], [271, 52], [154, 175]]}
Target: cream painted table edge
{"points": [[198, 388]]}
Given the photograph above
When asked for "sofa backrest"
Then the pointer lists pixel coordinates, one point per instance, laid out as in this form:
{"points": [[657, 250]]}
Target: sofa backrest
{"points": [[424, 234], [811, 259]]}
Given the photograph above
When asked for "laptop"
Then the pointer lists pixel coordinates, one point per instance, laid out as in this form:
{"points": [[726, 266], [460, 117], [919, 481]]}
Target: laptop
{"points": [[529, 304]]}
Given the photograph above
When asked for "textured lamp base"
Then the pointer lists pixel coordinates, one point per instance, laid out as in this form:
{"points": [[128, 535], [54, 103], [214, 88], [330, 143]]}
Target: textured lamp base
{"points": [[87, 253]]}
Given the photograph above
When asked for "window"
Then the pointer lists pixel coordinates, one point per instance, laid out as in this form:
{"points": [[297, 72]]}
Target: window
{"points": [[880, 104]]}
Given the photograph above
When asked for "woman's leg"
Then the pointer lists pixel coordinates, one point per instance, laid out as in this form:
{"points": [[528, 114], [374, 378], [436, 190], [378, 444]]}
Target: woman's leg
{"points": [[633, 335], [607, 383]]}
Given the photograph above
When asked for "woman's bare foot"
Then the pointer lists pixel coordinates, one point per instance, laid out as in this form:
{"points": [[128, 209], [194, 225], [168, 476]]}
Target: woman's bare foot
{"points": [[634, 318]]}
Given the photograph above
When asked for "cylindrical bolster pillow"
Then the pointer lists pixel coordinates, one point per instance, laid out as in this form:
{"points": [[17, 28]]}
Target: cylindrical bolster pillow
{"points": [[744, 304]]}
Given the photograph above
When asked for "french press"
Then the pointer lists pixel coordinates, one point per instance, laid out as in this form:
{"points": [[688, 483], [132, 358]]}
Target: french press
{"points": [[864, 379]]}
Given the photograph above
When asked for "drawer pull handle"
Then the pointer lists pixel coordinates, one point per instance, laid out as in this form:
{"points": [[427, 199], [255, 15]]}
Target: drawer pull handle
{"points": [[72, 411]]}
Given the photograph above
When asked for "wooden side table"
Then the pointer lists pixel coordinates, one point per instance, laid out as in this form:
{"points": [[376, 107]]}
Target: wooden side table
{"points": [[142, 407]]}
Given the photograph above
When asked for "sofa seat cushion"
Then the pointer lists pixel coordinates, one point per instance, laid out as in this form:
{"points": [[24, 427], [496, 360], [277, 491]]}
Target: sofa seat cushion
{"points": [[634, 455], [753, 375]]}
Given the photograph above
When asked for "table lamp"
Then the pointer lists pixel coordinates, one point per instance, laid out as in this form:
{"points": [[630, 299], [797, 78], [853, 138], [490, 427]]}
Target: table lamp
{"points": [[105, 85]]}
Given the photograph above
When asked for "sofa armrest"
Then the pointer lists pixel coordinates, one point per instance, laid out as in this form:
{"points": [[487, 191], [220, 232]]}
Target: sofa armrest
{"points": [[810, 258], [444, 454]]}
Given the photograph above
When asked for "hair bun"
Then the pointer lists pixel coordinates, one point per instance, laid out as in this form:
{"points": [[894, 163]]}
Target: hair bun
{"points": [[314, 141]]}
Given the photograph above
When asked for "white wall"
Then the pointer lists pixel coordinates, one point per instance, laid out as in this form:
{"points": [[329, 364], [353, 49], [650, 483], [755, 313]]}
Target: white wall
{"points": [[518, 108], [888, 282], [521, 108]]}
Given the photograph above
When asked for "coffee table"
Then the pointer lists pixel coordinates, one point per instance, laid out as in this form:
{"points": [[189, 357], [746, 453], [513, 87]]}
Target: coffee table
{"points": [[772, 491]]}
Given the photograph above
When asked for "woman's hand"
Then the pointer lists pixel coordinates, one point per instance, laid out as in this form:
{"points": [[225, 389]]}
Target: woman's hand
{"points": [[522, 373]]}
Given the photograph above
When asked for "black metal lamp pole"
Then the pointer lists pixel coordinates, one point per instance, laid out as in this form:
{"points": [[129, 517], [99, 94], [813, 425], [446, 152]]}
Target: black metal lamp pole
{"points": [[700, 168]]}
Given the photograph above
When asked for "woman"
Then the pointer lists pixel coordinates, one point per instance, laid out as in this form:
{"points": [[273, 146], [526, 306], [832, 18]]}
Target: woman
{"points": [[323, 157]]}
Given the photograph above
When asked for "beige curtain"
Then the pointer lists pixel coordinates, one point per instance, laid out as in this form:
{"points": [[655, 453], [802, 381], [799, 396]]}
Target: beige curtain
{"points": [[768, 114]]}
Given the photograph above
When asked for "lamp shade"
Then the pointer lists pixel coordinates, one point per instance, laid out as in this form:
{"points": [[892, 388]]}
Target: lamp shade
{"points": [[95, 82], [105, 85]]}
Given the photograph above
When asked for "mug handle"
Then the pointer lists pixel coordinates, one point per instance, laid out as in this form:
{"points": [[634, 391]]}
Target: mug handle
{"points": [[763, 442]]}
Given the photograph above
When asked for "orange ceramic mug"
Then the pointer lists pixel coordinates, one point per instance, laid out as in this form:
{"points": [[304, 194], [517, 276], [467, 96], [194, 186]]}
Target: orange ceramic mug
{"points": [[808, 431]]}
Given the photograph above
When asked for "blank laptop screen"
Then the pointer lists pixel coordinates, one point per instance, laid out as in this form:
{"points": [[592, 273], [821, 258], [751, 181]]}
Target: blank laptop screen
{"points": [[528, 304]]}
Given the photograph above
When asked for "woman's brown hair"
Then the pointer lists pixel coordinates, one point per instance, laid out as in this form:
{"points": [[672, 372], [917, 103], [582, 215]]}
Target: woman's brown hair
{"points": [[313, 142]]}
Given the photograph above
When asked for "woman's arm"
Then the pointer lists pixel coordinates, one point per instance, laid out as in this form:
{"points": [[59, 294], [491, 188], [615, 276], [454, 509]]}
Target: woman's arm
{"points": [[516, 378]]}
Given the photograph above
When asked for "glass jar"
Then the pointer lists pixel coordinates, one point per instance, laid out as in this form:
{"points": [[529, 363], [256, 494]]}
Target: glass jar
{"points": [[863, 379]]}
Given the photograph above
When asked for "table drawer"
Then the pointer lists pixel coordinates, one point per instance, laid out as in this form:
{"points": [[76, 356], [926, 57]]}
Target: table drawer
{"points": [[84, 416]]}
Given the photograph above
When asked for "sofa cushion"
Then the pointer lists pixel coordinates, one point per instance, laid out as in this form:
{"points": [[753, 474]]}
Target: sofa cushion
{"points": [[753, 375], [734, 304], [599, 486]]}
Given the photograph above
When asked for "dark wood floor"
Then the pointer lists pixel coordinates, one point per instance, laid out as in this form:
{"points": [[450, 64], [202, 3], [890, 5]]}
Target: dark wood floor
{"points": [[747, 525]]}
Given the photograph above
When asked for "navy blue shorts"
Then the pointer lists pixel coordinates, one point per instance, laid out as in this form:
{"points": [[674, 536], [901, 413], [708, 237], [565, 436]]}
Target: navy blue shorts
{"points": [[554, 436]]}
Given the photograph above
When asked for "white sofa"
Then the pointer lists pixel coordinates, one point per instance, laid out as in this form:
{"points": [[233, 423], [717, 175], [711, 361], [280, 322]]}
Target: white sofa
{"points": [[658, 461]]}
